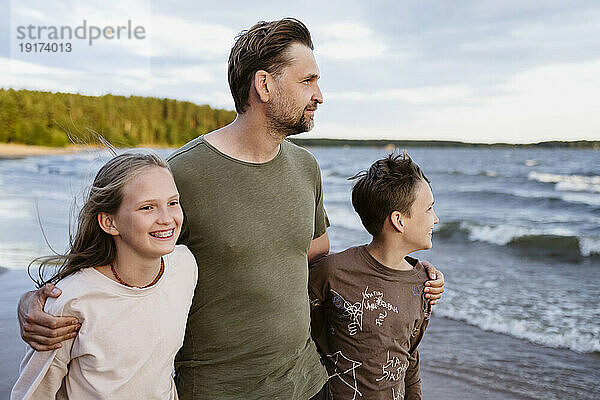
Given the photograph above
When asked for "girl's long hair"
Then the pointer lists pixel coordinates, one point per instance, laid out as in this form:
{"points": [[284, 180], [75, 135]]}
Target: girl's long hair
{"points": [[91, 246]]}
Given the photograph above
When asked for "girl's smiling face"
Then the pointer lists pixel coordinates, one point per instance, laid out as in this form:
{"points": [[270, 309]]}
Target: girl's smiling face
{"points": [[149, 218]]}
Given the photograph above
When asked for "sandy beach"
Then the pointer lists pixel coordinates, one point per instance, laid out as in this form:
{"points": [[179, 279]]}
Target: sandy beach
{"points": [[16, 150]]}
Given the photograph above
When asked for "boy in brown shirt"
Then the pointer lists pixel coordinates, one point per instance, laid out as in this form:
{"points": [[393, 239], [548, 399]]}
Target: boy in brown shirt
{"points": [[369, 312]]}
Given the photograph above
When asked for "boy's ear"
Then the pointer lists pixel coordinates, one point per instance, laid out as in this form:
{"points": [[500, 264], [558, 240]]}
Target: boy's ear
{"points": [[263, 84], [107, 223], [397, 221]]}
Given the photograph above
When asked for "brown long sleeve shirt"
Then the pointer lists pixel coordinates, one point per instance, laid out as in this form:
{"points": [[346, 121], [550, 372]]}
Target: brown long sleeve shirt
{"points": [[367, 320]]}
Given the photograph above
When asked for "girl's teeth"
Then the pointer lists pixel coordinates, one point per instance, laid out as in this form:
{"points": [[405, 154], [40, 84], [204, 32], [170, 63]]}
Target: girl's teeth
{"points": [[163, 234]]}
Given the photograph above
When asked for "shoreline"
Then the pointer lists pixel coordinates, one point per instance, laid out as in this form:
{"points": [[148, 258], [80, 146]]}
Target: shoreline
{"points": [[10, 151], [13, 151]]}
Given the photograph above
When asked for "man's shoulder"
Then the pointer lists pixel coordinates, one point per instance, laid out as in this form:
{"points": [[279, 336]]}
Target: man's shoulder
{"points": [[299, 153], [187, 150]]}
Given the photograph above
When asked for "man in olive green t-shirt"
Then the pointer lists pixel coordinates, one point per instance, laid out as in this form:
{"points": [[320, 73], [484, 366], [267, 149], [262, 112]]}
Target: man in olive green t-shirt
{"points": [[250, 225], [254, 218], [254, 213]]}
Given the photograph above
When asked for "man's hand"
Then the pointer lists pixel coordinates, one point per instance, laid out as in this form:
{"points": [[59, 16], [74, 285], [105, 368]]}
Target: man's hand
{"points": [[435, 287], [40, 330]]}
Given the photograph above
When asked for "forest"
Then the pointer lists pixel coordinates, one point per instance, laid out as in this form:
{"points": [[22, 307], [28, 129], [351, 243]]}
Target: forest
{"points": [[58, 119]]}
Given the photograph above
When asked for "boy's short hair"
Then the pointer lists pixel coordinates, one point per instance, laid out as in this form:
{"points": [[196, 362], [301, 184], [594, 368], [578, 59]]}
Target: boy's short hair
{"points": [[387, 186]]}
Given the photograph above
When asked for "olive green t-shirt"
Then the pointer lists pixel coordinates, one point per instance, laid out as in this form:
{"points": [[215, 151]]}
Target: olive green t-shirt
{"points": [[249, 227]]}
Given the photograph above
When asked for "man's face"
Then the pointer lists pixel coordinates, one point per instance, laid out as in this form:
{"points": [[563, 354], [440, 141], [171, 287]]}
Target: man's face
{"points": [[297, 94]]}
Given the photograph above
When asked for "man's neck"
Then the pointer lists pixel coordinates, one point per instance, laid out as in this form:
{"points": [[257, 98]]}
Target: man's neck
{"points": [[246, 139], [389, 254]]}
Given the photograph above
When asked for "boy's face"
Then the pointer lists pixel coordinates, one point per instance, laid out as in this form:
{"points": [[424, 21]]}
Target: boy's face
{"points": [[419, 227]]}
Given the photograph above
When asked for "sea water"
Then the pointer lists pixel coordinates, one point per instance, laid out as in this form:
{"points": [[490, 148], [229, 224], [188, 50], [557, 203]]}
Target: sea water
{"points": [[518, 241]]}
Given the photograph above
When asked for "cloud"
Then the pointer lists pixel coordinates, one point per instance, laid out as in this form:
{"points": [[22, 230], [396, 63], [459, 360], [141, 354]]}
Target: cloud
{"points": [[183, 74], [173, 36], [28, 13], [347, 41], [426, 94], [550, 102]]}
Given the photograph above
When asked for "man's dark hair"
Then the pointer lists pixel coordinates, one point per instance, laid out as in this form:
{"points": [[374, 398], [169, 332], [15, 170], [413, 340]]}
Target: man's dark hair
{"points": [[262, 47], [388, 185]]}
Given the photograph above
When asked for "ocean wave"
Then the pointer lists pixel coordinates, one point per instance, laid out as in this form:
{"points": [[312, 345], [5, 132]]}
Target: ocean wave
{"points": [[490, 173], [19, 255], [550, 242], [344, 218], [568, 183], [332, 176], [559, 199], [570, 338], [15, 209], [590, 199]]}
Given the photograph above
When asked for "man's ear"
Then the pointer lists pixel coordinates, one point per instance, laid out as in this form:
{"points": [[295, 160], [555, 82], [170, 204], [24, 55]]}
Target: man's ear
{"points": [[107, 223], [397, 221], [264, 85]]}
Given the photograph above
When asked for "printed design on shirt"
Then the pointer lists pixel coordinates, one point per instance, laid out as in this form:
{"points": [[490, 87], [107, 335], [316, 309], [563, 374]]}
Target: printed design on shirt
{"points": [[353, 311], [380, 318], [374, 301], [371, 301], [393, 370], [397, 395], [345, 370]]}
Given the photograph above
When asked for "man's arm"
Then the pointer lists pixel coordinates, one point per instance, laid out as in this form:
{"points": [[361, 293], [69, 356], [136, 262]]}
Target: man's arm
{"points": [[435, 287], [40, 330], [318, 248]]}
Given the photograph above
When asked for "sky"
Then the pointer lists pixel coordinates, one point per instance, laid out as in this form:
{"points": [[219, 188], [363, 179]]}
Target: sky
{"points": [[475, 71]]}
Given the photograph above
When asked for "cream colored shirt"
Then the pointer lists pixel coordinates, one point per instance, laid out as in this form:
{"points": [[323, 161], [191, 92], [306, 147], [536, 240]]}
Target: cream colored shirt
{"points": [[127, 342]]}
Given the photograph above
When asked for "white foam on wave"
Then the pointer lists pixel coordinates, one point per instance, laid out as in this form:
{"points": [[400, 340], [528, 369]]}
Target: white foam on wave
{"points": [[19, 255], [589, 246], [15, 209], [583, 198], [571, 338], [501, 235], [345, 218], [568, 183]]}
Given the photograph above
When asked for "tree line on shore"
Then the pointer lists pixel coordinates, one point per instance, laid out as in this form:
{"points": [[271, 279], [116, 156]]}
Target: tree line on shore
{"points": [[57, 119], [577, 144]]}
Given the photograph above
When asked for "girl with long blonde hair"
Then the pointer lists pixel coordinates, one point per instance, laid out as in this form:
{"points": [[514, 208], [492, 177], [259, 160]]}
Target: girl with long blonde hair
{"points": [[127, 283]]}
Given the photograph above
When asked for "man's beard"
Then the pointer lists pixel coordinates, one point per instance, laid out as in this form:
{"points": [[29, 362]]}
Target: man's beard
{"points": [[285, 121]]}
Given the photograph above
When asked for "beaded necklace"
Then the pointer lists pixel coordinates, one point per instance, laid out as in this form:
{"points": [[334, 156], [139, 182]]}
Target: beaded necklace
{"points": [[122, 282]]}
